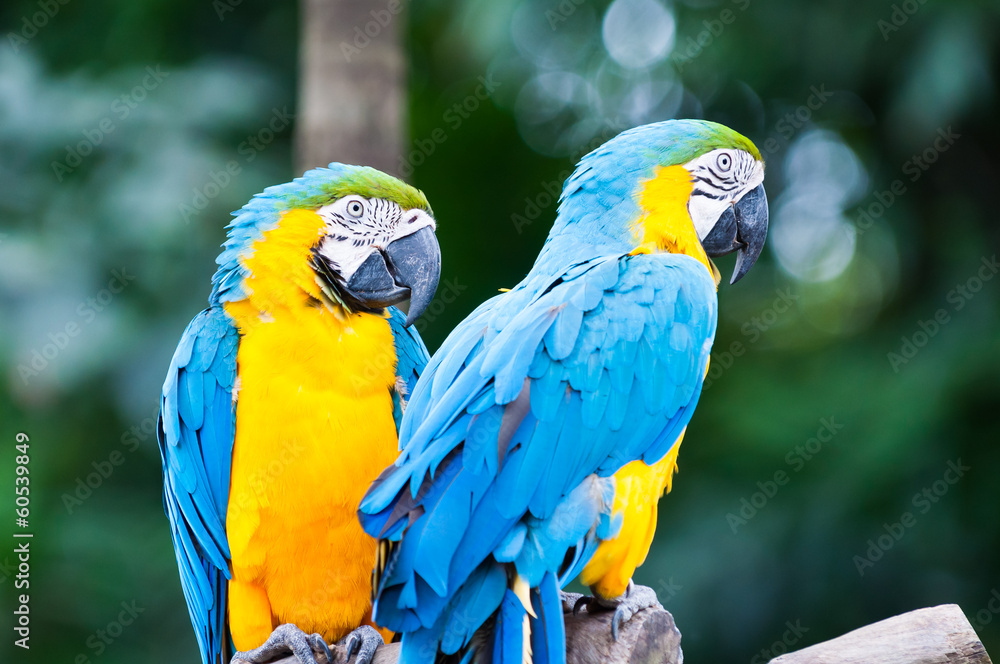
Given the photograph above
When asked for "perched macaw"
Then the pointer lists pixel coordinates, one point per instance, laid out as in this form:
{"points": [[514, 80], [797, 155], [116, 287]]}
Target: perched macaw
{"points": [[282, 404], [548, 423]]}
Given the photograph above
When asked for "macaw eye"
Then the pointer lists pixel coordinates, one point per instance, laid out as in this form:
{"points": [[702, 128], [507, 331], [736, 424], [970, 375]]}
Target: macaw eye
{"points": [[724, 162], [355, 208]]}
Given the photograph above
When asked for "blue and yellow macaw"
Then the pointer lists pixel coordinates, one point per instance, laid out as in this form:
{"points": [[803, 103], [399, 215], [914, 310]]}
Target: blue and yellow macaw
{"points": [[541, 434], [282, 404]]}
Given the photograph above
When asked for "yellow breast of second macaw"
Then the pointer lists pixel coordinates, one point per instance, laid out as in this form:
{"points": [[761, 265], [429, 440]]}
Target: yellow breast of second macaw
{"points": [[638, 488], [314, 427]]}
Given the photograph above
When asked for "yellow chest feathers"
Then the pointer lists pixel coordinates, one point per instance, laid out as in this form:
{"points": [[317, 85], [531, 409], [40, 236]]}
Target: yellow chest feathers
{"points": [[314, 392], [289, 328]]}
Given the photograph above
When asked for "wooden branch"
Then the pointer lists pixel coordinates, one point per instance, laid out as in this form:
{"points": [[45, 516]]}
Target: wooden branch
{"points": [[650, 637], [938, 635], [352, 84]]}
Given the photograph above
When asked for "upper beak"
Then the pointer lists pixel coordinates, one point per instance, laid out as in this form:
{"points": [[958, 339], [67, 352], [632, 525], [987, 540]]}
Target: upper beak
{"points": [[743, 228], [409, 267]]}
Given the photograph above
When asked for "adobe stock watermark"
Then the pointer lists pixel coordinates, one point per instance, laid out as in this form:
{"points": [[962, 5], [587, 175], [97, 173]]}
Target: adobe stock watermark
{"points": [[380, 364], [752, 331], [223, 7], [535, 205], [985, 615], [31, 25], [552, 189], [445, 296], [922, 501], [793, 121], [562, 12], [41, 357], [121, 108], [796, 459], [957, 297], [667, 590], [248, 149], [792, 635], [913, 168], [104, 468], [98, 642], [898, 17], [381, 18], [453, 117], [254, 491], [694, 46]]}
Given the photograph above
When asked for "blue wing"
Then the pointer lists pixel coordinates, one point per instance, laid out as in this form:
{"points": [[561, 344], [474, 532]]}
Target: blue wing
{"points": [[411, 358], [196, 433], [530, 404]]}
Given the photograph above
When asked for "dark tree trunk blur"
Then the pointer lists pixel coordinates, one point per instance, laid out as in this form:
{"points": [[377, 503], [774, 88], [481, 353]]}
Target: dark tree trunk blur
{"points": [[351, 94]]}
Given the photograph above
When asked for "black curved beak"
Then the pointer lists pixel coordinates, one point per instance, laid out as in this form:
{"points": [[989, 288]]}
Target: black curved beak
{"points": [[743, 228], [409, 267]]}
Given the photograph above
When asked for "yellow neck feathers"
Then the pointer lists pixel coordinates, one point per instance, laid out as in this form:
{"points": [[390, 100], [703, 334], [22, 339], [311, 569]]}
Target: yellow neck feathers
{"points": [[281, 278], [665, 225]]}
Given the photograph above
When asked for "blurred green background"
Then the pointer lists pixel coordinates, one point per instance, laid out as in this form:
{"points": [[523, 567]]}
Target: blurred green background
{"points": [[854, 364]]}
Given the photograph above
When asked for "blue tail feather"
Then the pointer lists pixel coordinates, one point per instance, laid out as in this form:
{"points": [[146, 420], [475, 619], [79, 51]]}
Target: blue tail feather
{"points": [[508, 632], [548, 631]]}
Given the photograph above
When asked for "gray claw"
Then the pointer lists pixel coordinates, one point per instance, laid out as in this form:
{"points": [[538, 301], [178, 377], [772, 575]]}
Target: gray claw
{"points": [[635, 599], [569, 601], [319, 643], [632, 601], [284, 639], [365, 640]]}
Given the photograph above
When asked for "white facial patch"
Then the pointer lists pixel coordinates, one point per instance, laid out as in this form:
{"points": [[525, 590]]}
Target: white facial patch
{"points": [[721, 178], [356, 226]]}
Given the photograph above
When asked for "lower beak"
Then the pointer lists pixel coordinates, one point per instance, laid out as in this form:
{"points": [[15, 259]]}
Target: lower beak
{"points": [[409, 267], [741, 228]]}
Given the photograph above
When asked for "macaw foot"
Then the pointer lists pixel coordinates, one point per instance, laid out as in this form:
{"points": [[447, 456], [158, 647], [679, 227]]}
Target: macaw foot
{"points": [[570, 601], [364, 640], [635, 599], [285, 639]]}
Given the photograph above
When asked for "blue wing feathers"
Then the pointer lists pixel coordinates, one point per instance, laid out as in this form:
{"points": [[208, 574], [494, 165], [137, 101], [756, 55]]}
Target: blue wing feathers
{"points": [[612, 352], [196, 439], [561, 337], [485, 588]]}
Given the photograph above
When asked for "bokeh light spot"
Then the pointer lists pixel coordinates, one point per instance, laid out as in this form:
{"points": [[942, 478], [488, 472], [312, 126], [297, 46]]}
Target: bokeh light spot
{"points": [[638, 33]]}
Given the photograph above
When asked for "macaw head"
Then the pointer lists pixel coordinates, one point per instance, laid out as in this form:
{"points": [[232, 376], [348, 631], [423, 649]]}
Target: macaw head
{"points": [[344, 236], [683, 186]]}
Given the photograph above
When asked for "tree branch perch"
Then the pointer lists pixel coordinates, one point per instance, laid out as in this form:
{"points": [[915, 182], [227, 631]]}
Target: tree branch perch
{"points": [[936, 635], [650, 637]]}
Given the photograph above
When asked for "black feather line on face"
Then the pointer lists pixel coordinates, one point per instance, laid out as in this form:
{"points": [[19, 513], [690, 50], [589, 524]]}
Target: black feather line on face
{"points": [[324, 271], [335, 282], [340, 221], [706, 194]]}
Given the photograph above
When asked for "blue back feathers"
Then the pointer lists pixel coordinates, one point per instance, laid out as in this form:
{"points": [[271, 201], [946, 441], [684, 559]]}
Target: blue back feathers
{"points": [[532, 403]]}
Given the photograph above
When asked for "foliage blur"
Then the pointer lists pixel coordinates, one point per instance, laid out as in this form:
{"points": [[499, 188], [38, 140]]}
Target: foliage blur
{"points": [[873, 313]]}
